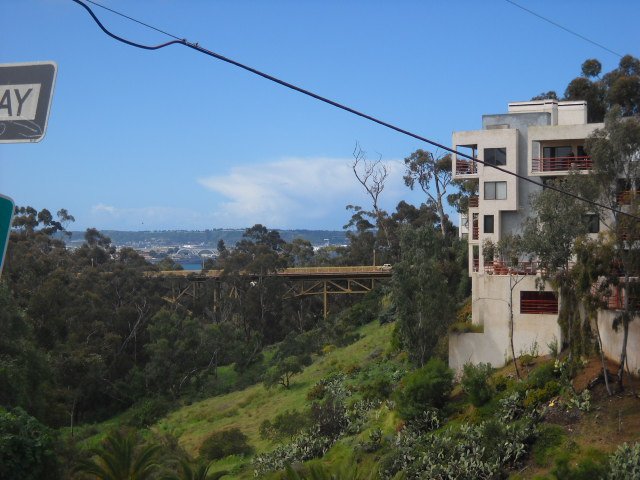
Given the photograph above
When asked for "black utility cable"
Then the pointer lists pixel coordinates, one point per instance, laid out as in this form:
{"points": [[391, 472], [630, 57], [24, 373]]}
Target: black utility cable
{"points": [[200, 49], [561, 27], [132, 19]]}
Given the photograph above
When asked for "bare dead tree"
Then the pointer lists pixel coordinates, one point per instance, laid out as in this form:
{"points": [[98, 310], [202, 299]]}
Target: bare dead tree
{"points": [[426, 169], [372, 175]]}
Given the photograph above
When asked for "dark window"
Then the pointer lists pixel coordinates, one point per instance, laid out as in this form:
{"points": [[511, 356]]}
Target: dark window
{"points": [[495, 156], [495, 190], [538, 302], [557, 152], [488, 224], [593, 223], [581, 151]]}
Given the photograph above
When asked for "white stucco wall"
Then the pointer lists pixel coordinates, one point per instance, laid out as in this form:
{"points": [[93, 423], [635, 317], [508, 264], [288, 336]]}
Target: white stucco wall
{"points": [[612, 340], [490, 297]]}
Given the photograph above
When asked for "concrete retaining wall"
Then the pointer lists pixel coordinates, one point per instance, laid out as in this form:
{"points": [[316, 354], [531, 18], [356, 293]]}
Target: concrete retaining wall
{"points": [[612, 340], [491, 310]]}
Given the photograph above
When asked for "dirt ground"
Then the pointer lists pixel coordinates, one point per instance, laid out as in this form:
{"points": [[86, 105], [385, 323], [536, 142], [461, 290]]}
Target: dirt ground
{"points": [[612, 420]]}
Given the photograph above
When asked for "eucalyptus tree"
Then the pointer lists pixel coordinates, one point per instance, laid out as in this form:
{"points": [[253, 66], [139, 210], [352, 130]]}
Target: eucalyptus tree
{"points": [[423, 169], [425, 289], [615, 152], [549, 236], [621, 87]]}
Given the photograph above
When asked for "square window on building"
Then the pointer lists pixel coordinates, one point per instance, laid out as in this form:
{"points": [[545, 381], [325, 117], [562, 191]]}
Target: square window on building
{"points": [[495, 156], [488, 224], [593, 223], [537, 302], [495, 190]]}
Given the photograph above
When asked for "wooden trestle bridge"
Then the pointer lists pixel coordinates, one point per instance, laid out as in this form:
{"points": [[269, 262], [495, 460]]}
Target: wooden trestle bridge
{"points": [[304, 281]]}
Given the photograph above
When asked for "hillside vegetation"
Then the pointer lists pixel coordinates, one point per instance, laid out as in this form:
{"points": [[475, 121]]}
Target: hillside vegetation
{"points": [[490, 425]]}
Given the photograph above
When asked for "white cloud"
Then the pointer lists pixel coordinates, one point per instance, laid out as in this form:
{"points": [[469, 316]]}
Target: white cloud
{"points": [[295, 192], [289, 193], [143, 218]]}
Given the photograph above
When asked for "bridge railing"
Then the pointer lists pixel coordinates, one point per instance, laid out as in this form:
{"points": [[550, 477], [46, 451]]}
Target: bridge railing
{"points": [[335, 270], [294, 271]]}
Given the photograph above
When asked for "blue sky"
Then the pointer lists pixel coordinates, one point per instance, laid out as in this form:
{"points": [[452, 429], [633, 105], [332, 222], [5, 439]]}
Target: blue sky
{"points": [[172, 139]]}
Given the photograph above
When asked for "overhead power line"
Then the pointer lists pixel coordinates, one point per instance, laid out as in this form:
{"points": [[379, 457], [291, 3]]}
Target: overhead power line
{"points": [[555, 24], [195, 46]]}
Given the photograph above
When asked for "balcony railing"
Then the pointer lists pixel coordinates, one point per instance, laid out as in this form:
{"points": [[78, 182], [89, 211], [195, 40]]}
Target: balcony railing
{"points": [[625, 197], [473, 202], [466, 167], [561, 164], [615, 301], [498, 267], [476, 264], [475, 231]]}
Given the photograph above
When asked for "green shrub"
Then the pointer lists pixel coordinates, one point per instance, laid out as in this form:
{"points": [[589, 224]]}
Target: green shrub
{"points": [[500, 383], [585, 470], [625, 462], [526, 359], [550, 437], [282, 369], [330, 415], [536, 396], [425, 388], [26, 447], [475, 383], [359, 314], [224, 443], [465, 327], [464, 313], [374, 443], [285, 425], [147, 412], [378, 388], [542, 375], [316, 392]]}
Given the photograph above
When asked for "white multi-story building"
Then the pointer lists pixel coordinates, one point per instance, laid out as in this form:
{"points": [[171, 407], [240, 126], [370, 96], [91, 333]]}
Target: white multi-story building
{"points": [[536, 139]]}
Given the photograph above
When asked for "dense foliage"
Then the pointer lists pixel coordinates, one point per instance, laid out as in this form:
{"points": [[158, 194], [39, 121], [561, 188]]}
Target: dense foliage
{"points": [[27, 448]]}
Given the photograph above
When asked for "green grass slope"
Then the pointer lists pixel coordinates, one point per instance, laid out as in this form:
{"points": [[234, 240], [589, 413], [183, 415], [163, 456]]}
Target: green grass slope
{"points": [[247, 409]]}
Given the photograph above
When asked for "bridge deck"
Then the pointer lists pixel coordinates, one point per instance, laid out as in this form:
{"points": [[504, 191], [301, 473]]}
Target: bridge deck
{"points": [[298, 272]]}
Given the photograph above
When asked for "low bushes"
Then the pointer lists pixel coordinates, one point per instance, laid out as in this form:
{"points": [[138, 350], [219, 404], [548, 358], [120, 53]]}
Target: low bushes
{"points": [[475, 383], [224, 443], [285, 425], [425, 388], [147, 412]]}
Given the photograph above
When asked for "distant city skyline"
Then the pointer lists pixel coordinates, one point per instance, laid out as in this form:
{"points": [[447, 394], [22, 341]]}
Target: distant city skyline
{"points": [[171, 139]]}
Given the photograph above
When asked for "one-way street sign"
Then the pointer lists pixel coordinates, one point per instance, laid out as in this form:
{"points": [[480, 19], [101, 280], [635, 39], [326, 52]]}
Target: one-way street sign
{"points": [[26, 90]]}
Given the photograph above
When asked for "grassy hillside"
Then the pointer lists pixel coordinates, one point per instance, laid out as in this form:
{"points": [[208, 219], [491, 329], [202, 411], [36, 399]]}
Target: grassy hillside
{"points": [[570, 438], [248, 408]]}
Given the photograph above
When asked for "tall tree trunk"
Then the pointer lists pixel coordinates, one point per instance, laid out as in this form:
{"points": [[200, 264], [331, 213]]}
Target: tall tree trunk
{"points": [[440, 208], [625, 326], [605, 371], [513, 350]]}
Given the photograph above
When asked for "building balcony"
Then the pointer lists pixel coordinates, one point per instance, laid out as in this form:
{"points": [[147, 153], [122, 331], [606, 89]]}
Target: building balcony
{"points": [[498, 267], [624, 197], [473, 202], [560, 164], [475, 231], [476, 265], [616, 299], [466, 167]]}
